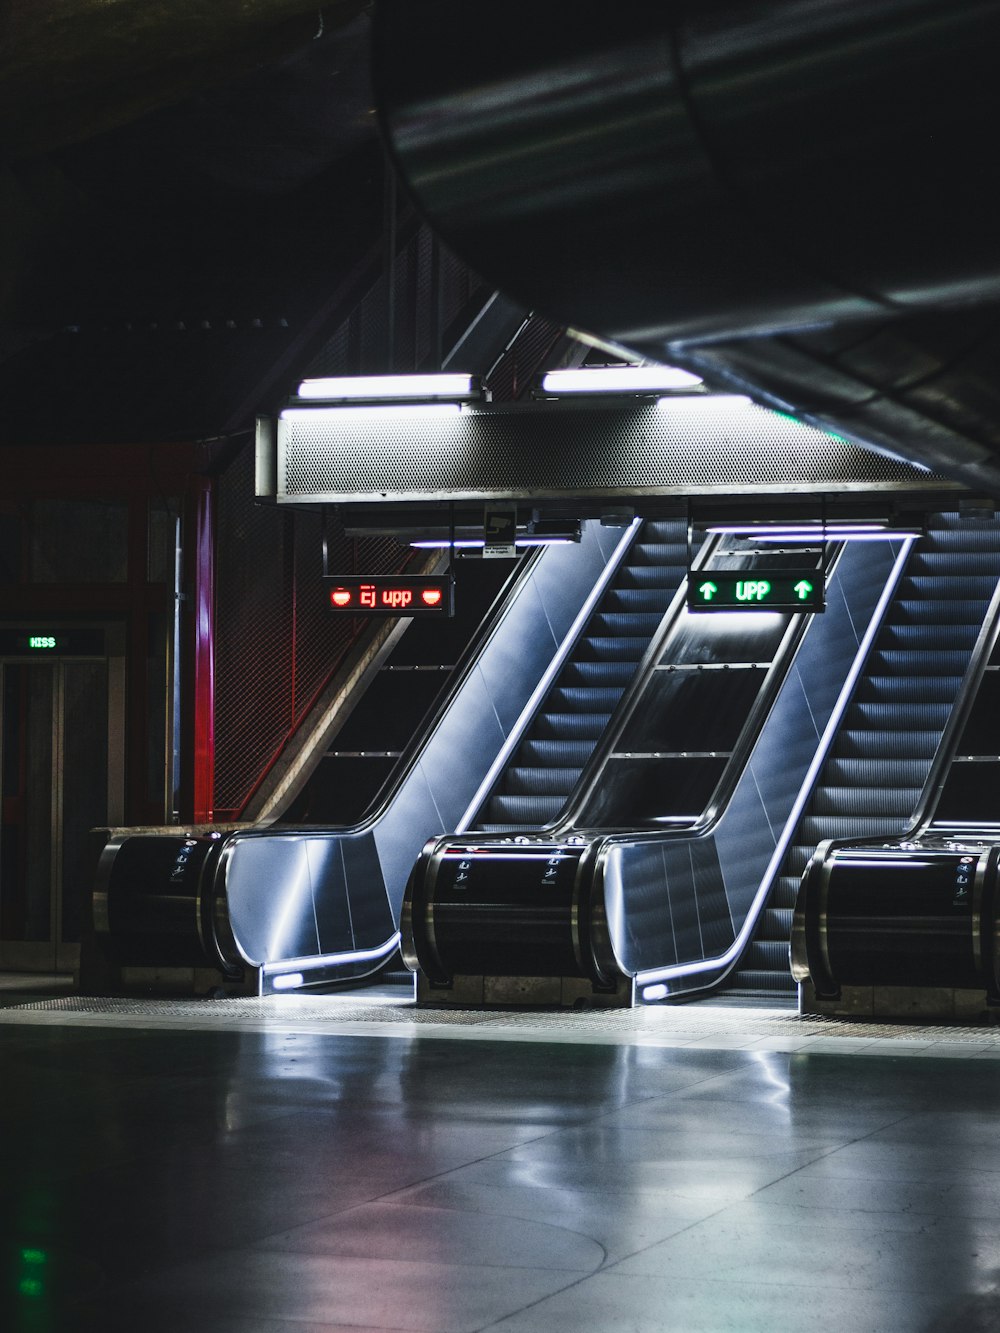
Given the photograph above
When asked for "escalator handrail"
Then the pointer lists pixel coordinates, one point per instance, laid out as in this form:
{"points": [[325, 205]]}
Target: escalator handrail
{"points": [[730, 957], [530, 709]]}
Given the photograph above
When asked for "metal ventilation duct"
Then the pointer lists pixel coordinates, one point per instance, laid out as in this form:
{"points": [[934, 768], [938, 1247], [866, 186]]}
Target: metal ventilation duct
{"points": [[795, 198]]}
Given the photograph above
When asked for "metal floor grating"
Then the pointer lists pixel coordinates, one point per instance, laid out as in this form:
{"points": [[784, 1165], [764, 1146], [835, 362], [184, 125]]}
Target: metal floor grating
{"points": [[714, 1025]]}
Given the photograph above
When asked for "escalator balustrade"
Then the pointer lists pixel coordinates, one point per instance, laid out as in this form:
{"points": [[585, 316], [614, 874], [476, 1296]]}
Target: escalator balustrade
{"points": [[872, 782]]}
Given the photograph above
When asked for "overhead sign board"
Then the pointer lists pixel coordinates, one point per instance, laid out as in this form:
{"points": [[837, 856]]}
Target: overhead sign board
{"points": [[755, 590], [51, 641], [396, 595]]}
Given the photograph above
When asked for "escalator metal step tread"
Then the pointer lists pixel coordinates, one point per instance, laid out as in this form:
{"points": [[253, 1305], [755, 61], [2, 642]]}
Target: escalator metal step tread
{"points": [[916, 689], [528, 810], [657, 553], [920, 611], [636, 577], [776, 923], [867, 743], [559, 754], [599, 673], [930, 637], [897, 716], [817, 827], [522, 781], [766, 955], [920, 661], [844, 771], [654, 600], [798, 857], [610, 648], [571, 726], [960, 539], [891, 801], [628, 623], [786, 887], [982, 562], [762, 984], [954, 585], [583, 699]]}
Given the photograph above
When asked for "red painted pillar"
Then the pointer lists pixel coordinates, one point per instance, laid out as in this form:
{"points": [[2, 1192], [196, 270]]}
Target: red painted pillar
{"points": [[202, 586]]}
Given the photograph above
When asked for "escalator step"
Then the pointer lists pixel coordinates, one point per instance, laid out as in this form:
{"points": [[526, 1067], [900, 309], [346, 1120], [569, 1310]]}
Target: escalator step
{"points": [[913, 611], [815, 828], [630, 624], [920, 661], [868, 743], [599, 673], [961, 539], [842, 771], [955, 586], [762, 983], [582, 699], [521, 781], [777, 923], [933, 563], [766, 956], [897, 716], [658, 553], [875, 801], [528, 811], [799, 856], [571, 726], [893, 638], [635, 577], [656, 600], [558, 754], [610, 648], [786, 887], [922, 690]]}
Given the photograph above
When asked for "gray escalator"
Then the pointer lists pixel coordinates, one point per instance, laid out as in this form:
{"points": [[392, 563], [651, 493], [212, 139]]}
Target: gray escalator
{"points": [[874, 775], [305, 902], [545, 768]]}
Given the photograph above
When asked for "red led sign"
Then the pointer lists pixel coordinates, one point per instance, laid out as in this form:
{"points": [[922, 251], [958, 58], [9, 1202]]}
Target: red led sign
{"points": [[379, 595]]}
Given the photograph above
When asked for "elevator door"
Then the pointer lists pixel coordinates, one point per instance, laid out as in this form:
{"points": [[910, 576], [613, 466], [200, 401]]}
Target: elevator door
{"points": [[61, 771]]}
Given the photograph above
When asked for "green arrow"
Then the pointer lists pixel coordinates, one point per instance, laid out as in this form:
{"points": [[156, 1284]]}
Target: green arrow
{"points": [[803, 589], [708, 591]]}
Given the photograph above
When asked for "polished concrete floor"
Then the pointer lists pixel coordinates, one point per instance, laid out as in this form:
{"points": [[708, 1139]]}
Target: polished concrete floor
{"points": [[162, 1172]]}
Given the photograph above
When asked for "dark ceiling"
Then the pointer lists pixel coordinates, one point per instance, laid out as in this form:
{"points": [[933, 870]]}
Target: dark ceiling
{"points": [[182, 193]]}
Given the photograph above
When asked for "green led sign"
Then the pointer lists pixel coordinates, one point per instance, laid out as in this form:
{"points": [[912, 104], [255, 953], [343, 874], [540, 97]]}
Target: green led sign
{"points": [[41, 641], [755, 590]]}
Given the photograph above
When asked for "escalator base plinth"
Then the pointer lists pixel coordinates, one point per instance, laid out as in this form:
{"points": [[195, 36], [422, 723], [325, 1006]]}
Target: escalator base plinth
{"points": [[479, 992], [946, 1003]]}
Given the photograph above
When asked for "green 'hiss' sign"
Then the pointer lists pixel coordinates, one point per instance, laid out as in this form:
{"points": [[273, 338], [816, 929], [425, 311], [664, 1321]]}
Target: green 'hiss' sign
{"points": [[755, 590]]}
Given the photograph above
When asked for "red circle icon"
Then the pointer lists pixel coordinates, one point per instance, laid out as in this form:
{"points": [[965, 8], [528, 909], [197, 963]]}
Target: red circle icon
{"points": [[431, 596], [340, 597]]}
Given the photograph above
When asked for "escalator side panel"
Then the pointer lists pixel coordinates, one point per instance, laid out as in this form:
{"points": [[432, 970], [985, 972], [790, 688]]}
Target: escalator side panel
{"points": [[269, 883], [746, 837]]}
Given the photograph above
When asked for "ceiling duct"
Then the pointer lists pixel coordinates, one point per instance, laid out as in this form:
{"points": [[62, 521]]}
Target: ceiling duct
{"points": [[796, 199]]}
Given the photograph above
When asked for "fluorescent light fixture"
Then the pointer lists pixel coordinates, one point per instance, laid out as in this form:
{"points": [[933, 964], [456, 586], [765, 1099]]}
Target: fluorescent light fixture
{"points": [[659, 992], [288, 981], [618, 379], [345, 388], [477, 543], [838, 535], [830, 532], [350, 415]]}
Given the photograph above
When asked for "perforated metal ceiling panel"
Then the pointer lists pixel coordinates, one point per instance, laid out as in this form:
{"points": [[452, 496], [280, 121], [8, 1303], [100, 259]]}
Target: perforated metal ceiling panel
{"points": [[690, 445]]}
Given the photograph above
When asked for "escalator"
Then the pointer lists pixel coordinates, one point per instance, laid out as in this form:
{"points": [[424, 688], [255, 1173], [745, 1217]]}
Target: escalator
{"points": [[676, 811], [872, 781], [535, 785], [319, 901]]}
